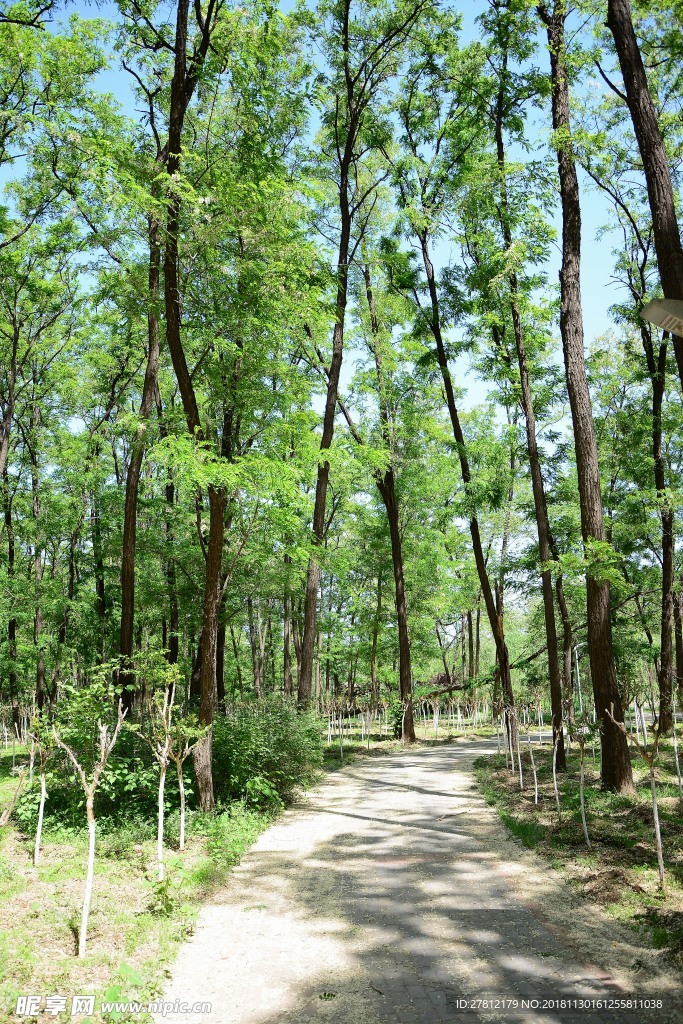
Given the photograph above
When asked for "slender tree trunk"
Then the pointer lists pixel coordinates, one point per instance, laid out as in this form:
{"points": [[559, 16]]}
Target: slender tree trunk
{"points": [[346, 131], [386, 483], [537, 486], [254, 642], [388, 491], [616, 765], [543, 531], [374, 686], [174, 611], [444, 659], [236, 654], [296, 635], [181, 790], [209, 642], [678, 632], [126, 675], [98, 560], [287, 634], [182, 88], [196, 673], [567, 643], [653, 154], [12, 621], [220, 663], [8, 407], [477, 640], [37, 564], [90, 874], [495, 623], [313, 576], [470, 645]]}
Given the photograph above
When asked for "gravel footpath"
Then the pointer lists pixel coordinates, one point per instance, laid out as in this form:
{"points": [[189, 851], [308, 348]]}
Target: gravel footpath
{"points": [[392, 894]]}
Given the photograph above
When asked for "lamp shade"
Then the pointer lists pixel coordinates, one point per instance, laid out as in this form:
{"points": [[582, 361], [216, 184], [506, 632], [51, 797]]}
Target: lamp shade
{"points": [[665, 313]]}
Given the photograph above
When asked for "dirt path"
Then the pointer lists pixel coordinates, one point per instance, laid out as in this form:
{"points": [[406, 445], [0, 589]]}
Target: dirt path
{"points": [[390, 893]]}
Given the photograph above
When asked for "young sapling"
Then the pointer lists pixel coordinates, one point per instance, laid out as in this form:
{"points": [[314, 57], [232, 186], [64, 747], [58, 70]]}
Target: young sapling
{"points": [[42, 747], [650, 757], [533, 766], [583, 731], [519, 759], [105, 746]]}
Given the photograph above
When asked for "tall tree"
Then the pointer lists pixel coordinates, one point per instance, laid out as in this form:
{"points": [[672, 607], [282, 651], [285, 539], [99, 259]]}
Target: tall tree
{"points": [[616, 765], [364, 43]]}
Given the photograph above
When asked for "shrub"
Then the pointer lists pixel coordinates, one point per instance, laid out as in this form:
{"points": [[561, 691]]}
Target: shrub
{"points": [[263, 750]]}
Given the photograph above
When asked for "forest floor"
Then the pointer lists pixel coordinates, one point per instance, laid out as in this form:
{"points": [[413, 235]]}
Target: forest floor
{"points": [[392, 892], [619, 870]]}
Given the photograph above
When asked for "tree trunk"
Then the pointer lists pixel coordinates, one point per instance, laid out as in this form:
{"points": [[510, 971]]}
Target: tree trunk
{"points": [[567, 643], [254, 642], [89, 876], [388, 491], [313, 576], [616, 765], [126, 675], [470, 646], [678, 632], [346, 135], [12, 621], [374, 687], [209, 641], [8, 408], [195, 675], [237, 662], [444, 659], [657, 370], [37, 563], [286, 636], [98, 560], [477, 640], [220, 663], [386, 484], [495, 623], [182, 88], [537, 486], [653, 154]]}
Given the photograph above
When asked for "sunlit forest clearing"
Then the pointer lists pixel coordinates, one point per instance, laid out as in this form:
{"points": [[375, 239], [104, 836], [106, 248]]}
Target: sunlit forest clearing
{"points": [[341, 395]]}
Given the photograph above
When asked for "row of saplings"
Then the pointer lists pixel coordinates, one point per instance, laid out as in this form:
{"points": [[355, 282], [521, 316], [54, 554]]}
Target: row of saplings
{"points": [[582, 730], [170, 737]]}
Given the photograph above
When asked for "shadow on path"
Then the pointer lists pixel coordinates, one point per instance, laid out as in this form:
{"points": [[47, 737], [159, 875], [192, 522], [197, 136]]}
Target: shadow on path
{"points": [[391, 896]]}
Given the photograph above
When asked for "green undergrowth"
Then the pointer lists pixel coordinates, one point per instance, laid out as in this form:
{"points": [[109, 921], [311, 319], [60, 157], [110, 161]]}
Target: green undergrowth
{"points": [[619, 871], [136, 923], [262, 754]]}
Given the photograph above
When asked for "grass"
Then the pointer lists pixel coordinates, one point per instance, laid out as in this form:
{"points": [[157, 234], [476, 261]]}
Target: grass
{"points": [[620, 870], [135, 923]]}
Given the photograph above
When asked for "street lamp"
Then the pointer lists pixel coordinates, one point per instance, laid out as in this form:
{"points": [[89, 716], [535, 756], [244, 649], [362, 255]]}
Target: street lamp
{"points": [[665, 313]]}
